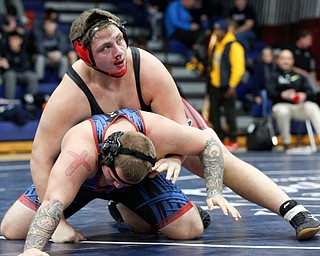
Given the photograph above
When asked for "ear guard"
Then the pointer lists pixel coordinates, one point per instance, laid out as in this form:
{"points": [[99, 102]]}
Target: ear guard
{"points": [[83, 52]]}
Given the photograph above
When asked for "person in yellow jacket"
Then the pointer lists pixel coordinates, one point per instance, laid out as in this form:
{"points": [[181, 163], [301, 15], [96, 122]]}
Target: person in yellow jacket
{"points": [[227, 62]]}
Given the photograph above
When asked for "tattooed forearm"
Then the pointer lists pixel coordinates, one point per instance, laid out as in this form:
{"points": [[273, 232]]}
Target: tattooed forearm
{"points": [[213, 164], [43, 225]]}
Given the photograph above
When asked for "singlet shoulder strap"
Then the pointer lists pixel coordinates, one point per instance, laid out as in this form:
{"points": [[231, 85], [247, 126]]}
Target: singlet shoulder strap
{"points": [[136, 66], [95, 108]]}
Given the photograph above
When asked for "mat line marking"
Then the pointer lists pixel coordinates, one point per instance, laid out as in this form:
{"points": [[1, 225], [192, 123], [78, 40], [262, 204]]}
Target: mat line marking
{"points": [[200, 245]]}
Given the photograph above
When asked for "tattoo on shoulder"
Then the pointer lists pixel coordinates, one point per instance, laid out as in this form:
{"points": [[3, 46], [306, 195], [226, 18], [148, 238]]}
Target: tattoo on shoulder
{"points": [[79, 160], [213, 164], [43, 225]]}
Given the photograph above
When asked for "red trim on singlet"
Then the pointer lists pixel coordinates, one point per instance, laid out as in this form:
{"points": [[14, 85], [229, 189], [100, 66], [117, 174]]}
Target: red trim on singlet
{"points": [[94, 132], [197, 120], [142, 120], [28, 202], [175, 215]]}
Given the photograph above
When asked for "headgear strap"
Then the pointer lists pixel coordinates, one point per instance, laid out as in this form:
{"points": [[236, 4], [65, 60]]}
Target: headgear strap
{"points": [[112, 146]]}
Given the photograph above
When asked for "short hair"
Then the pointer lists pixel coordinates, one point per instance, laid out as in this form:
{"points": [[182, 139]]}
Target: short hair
{"points": [[14, 33], [135, 169], [303, 34], [88, 19]]}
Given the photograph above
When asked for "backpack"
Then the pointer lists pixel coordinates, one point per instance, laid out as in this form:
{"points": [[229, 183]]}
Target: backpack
{"points": [[260, 135]]}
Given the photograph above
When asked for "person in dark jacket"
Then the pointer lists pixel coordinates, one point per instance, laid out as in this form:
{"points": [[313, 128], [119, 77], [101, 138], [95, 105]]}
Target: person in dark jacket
{"points": [[51, 49], [291, 94], [16, 67], [262, 105]]}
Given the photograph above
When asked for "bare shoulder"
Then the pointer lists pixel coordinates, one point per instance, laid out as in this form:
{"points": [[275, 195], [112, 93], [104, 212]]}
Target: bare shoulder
{"points": [[153, 72], [66, 107], [81, 132], [151, 62], [68, 85], [67, 92]]}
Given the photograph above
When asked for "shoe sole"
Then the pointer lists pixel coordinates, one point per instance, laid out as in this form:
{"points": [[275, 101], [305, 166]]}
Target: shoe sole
{"points": [[205, 217], [307, 233]]}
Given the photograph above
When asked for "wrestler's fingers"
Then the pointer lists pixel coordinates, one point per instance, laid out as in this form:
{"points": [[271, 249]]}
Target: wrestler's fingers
{"points": [[223, 208], [170, 173], [226, 207], [176, 174], [159, 167], [210, 204], [80, 237], [162, 168], [234, 213], [157, 164], [173, 173]]}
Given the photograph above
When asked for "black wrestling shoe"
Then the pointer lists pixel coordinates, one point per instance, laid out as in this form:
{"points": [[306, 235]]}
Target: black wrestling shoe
{"points": [[205, 216], [306, 225], [114, 212]]}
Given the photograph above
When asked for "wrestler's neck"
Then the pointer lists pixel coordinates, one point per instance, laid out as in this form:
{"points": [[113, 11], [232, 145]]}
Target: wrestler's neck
{"points": [[121, 124]]}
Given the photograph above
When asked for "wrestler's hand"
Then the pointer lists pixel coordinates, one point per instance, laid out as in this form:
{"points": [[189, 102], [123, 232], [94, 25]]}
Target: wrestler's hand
{"points": [[65, 233], [226, 207], [33, 252], [170, 165]]}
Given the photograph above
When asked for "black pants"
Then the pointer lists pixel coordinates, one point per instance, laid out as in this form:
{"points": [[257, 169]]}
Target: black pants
{"points": [[217, 102], [189, 37]]}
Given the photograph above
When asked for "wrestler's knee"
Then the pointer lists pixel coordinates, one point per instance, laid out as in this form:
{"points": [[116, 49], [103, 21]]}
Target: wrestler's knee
{"points": [[15, 223], [187, 227], [136, 223]]}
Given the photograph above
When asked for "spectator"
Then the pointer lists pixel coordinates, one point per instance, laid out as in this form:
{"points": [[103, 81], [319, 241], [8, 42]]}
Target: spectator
{"points": [[51, 49], [199, 15], [214, 9], [179, 23], [244, 17], [155, 10], [10, 21], [17, 67], [262, 70], [137, 9], [227, 69], [291, 94], [5, 5], [53, 14], [304, 60]]}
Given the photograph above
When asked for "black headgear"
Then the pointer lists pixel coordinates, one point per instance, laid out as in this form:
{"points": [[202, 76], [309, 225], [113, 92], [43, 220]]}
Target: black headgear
{"points": [[112, 146]]}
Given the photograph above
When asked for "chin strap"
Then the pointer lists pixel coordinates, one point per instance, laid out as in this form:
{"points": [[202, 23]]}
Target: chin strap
{"points": [[117, 75]]}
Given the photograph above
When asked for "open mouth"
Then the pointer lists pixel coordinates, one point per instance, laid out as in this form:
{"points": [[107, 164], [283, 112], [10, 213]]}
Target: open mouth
{"points": [[119, 63]]}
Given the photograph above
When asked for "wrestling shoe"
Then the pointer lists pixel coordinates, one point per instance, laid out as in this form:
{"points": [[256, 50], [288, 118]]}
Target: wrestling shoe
{"points": [[205, 216], [306, 225], [114, 212]]}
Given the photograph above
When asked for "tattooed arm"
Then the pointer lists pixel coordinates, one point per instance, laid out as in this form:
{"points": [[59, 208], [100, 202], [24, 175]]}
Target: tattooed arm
{"points": [[76, 163], [213, 165], [212, 161], [43, 225]]}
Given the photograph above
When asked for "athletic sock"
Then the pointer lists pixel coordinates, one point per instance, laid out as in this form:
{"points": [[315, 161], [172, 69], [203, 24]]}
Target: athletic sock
{"points": [[290, 208]]}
